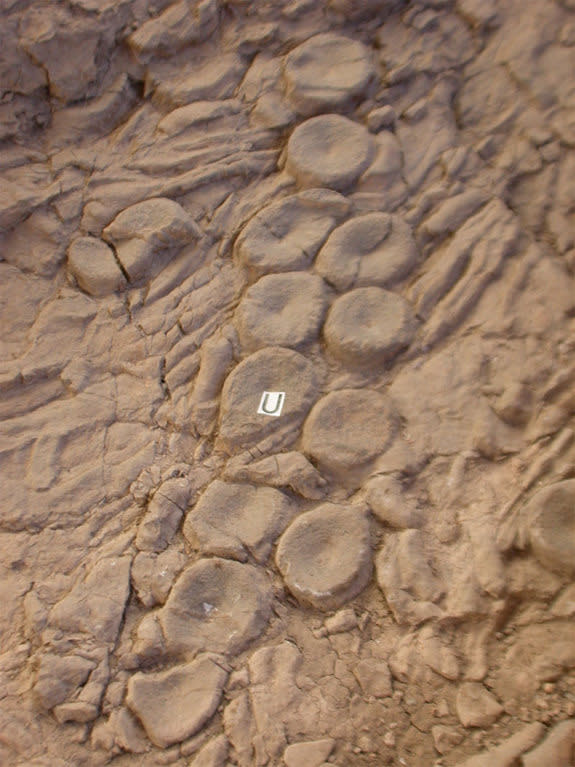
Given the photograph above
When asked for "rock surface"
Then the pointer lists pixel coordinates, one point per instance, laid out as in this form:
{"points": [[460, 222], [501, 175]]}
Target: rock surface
{"points": [[551, 520], [369, 326], [356, 218], [373, 249], [325, 556], [273, 369], [327, 73], [216, 605], [328, 150], [282, 310], [94, 267], [238, 521], [368, 429], [286, 235], [174, 704]]}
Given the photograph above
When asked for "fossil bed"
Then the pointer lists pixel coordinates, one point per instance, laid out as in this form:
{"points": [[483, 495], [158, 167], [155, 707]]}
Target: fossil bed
{"points": [[368, 205]]}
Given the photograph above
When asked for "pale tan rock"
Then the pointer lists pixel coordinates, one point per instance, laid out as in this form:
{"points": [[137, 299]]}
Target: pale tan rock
{"points": [[213, 754], [405, 576], [162, 519], [274, 699], [142, 231], [325, 555], [174, 704], [238, 521], [368, 429], [46, 32], [287, 234], [452, 213], [199, 114], [290, 470], [58, 677], [216, 358], [476, 706], [515, 404], [564, 605], [36, 246], [153, 575], [373, 249], [76, 711], [327, 72], [240, 727], [217, 605], [343, 620], [311, 753], [128, 733], [539, 653], [551, 520], [438, 655], [95, 606], [274, 370], [282, 310], [94, 267], [99, 116], [480, 13], [368, 326], [381, 187], [445, 738], [329, 150], [374, 678], [388, 501], [556, 749], [215, 78], [272, 112], [179, 25], [507, 753]]}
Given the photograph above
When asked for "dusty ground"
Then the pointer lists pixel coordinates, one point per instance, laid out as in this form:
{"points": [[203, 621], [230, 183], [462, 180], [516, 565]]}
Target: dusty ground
{"points": [[368, 207]]}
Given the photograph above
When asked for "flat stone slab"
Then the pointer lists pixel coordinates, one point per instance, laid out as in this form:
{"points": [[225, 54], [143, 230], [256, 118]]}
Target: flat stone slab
{"points": [[325, 555], [328, 72], [348, 428], [269, 370], [282, 310], [286, 235], [373, 249], [550, 517], [369, 325], [174, 704], [238, 520], [329, 150], [218, 605]]}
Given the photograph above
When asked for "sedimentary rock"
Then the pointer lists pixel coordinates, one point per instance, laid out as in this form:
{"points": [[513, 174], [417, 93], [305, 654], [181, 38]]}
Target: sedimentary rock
{"points": [[174, 704], [373, 249], [273, 369], [94, 267], [369, 326], [216, 605], [287, 234], [329, 150], [325, 555], [550, 517], [238, 521], [369, 427], [476, 706], [143, 231], [405, 576], [282, 310], [328, 72]]}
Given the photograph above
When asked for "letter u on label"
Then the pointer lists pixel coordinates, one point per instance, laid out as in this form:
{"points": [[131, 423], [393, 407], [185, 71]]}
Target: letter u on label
{"points": [[271, 403]]}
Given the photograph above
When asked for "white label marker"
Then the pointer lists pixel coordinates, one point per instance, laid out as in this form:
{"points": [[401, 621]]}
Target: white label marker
{"points": [[272, 403]]}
